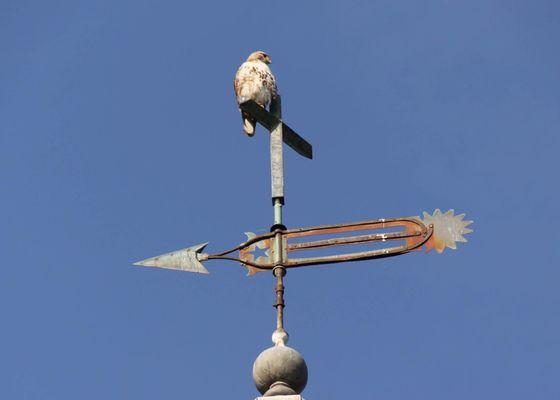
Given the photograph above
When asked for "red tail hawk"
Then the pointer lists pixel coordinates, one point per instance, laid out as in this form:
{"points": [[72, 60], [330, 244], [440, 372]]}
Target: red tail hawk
{"points": [[254, 81]]}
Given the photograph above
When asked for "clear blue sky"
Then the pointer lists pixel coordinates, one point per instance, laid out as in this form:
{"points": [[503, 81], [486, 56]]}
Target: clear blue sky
{"points": [[120, 139]]}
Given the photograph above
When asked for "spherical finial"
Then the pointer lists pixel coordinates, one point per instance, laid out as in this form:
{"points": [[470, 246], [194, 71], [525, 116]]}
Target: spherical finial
{"points": [[280, 370]]}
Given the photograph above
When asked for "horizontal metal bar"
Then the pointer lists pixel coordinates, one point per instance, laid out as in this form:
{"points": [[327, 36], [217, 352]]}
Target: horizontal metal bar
{"points": [[354, 226], [269, 121], [266, 119], [251, 263], [338, 258], [351, 240], [331, 229], [361, 256], [296, 142]]}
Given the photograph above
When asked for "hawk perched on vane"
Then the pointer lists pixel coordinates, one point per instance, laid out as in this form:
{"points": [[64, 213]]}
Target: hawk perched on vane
{"points": [[254, 81]]}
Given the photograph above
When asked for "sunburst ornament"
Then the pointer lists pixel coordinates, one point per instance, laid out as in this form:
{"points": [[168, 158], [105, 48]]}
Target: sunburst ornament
{"points": [[448, 229]]}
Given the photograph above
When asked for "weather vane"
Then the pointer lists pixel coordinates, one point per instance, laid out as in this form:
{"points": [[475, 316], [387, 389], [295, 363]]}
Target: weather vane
{"points": [[281, 370]]}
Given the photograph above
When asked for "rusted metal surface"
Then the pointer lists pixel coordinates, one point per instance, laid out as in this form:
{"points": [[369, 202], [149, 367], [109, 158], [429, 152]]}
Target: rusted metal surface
{"points": [[279, 273], [347, 240], [278, 247], [269, 121], [246, 252]]}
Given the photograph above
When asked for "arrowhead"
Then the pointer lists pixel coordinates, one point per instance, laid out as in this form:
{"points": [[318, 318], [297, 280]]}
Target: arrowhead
{"points": [[182, 260]]}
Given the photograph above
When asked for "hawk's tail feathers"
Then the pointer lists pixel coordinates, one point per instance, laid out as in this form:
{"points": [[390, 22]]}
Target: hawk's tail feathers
{"points": [[248, 125]]}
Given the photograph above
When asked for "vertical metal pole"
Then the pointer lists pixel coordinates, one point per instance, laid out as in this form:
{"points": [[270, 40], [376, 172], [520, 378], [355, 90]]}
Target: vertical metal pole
{"points": [[277, 212], [277, 175], [276, 160], [279, 272]]}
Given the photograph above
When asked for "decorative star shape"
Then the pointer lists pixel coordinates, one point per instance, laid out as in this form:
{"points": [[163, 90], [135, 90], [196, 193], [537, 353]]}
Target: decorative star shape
{"points": [[448, 229]]}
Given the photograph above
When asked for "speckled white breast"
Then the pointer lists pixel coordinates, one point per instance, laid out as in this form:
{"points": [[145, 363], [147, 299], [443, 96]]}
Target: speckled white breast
{"points": [[254, 81]]}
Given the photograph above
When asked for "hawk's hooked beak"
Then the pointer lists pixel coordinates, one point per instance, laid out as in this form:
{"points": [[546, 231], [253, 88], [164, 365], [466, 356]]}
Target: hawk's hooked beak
{"points": [[268, 60]]}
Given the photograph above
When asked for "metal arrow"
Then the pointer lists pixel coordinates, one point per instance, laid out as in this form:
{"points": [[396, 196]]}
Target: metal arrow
{"points": [[437, 231], [187, 259]]}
